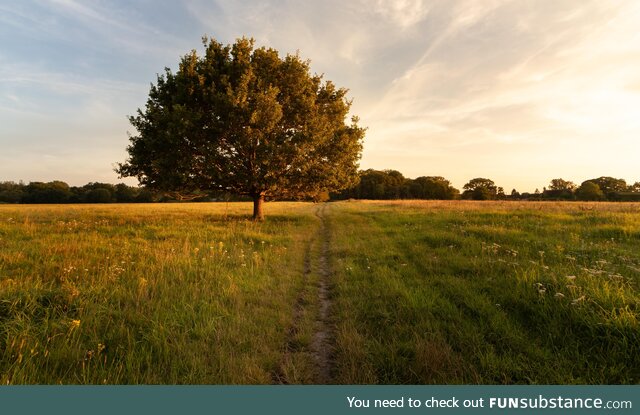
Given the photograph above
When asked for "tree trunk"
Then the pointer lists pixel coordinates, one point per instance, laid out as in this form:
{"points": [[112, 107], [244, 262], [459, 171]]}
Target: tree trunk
{"points": [[258, 200]]}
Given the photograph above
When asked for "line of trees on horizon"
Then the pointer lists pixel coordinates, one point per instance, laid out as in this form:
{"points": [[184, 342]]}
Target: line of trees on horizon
{"points": [[373, 184], [391, 184], [60, 192]]}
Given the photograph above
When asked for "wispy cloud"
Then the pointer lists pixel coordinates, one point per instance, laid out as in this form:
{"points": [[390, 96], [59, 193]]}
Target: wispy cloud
{"points": [[502, 78], [405, 13], [121, 24]]}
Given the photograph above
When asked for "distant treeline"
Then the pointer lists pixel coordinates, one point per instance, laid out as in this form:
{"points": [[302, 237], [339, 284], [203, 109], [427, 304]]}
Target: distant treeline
{"points": [[60, 192], [391, 184], [374, 184]]}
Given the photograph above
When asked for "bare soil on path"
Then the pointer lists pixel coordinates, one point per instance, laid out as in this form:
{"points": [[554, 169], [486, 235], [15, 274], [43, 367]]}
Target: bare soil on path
{"points": [[311, 352], [322, 345]]}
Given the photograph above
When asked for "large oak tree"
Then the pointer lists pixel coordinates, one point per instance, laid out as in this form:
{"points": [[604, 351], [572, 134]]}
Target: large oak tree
{"points": [[246, 121]]}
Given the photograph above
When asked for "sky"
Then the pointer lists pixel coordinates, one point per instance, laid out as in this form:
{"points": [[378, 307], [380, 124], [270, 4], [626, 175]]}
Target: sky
{"points": [[517, 91]]}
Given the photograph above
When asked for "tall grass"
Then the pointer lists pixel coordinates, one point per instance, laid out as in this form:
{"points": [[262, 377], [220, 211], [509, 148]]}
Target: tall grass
{"points": [[442, 292], [189, 293], [421, 292]]}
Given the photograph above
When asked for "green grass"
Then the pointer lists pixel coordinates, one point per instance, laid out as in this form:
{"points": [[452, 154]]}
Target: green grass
{"points": [[421, 292], [182, 293], [456, 292]]}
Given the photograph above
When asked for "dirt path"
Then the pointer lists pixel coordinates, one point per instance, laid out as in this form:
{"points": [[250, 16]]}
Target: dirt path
{"points": [[322, 344], [312, 312]]}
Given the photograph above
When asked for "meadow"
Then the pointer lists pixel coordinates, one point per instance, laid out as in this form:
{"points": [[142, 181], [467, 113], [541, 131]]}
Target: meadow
{"points": [[343, 292]]}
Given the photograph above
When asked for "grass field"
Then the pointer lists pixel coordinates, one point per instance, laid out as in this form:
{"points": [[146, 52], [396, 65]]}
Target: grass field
{"points": [[348, 292]]}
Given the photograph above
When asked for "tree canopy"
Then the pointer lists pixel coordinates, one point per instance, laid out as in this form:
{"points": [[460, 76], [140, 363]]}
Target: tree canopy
{"points": [[480, 189], [590, 190], [610, 185], [560, 189], [246, 121], [433, 187], [561, 185], [391, 184]]}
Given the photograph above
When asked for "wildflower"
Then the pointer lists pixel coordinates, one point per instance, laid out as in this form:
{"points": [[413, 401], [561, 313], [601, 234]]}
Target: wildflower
{"points": [[72, 290], [578, 300], [570, 277], [74, 324]]}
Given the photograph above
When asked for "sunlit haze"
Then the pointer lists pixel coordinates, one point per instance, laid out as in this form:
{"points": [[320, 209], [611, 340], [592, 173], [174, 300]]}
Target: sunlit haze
{"points": [[518, 92]]}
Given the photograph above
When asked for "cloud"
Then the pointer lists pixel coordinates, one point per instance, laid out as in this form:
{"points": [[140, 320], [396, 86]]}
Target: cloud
{"points": [[495, 64], [354, 43], [507, 81], [404, 13], [90, 29]]}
